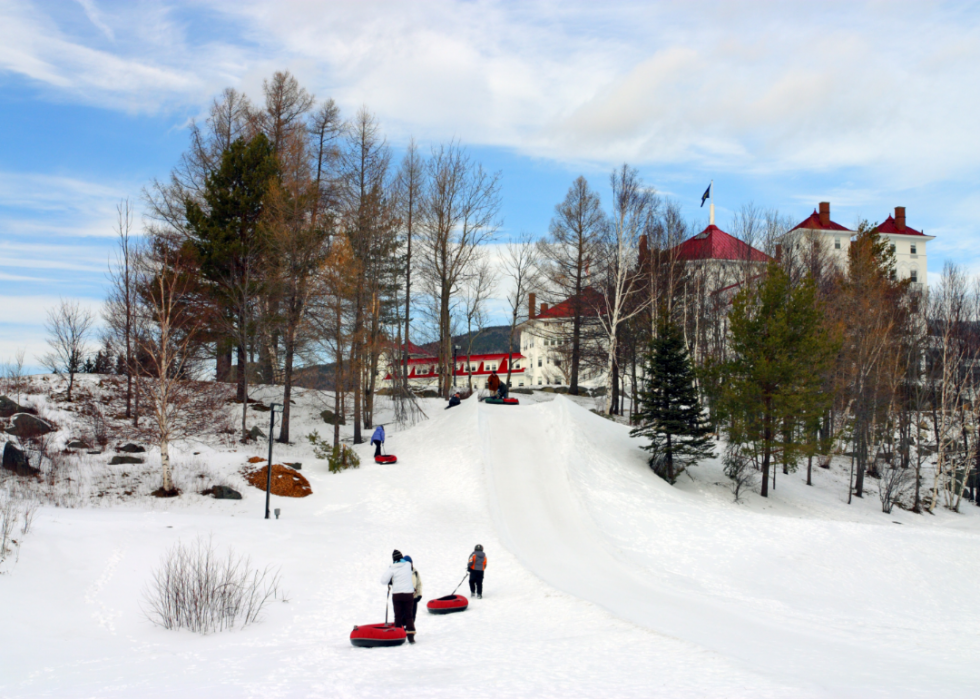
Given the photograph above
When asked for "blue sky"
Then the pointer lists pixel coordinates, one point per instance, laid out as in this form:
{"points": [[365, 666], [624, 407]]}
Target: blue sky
{"points": [[867, 105]]}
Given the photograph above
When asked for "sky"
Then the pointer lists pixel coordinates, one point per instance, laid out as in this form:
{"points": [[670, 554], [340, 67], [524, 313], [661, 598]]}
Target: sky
{"points": [[782, 104]]}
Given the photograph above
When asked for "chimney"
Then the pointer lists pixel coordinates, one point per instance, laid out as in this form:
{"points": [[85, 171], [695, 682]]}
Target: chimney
{"points": [[531, 298], [900, 218], [825, 213], [544, 307]]}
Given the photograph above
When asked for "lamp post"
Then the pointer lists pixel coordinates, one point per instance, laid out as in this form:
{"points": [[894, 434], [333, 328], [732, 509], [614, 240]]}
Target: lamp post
{"points": [[273, 409]]}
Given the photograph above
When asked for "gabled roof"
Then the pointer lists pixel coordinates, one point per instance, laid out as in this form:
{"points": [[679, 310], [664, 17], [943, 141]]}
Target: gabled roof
{"points": [[889, 226], [715, 244], [591, 301], [812, 222]]}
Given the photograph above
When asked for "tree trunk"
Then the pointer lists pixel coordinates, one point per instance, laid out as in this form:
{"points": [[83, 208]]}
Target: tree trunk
{"points": [[243, 389], [168, 483], [287, 388], [766, 444]]}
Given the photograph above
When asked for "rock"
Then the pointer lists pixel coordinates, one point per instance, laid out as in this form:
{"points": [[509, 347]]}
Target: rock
{"points": [[131, 448], [117, 460], [26, 426], [256, 433], [223, 492], [95, 451], [78, 444], [9, 408], [328, 417], [15, 460], [259, 407], [296, 465]]}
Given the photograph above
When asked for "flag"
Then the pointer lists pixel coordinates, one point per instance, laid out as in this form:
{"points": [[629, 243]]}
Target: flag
{"points": [[707, 193]]}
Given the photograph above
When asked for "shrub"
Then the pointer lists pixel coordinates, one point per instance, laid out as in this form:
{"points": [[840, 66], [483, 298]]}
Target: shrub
{"points": [[342, 457], [197, 589], [321, 448]]}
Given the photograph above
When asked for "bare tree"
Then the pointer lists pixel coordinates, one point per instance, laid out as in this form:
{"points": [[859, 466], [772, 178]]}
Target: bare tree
{"points": [[522, 266], [575, 234], [119, 312], [167, 277], [410, 184], [13, 372], [68, 328], [459, 213], [476, 291], [634, 208]]}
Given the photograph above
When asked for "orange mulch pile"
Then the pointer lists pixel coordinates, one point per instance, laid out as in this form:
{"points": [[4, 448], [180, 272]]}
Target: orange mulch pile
{"points": [[285, 481], [256, 460]]}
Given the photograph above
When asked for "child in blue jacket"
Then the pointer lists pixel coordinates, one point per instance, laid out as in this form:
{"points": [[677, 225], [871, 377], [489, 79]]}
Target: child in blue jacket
{"points": [[377, 439]]}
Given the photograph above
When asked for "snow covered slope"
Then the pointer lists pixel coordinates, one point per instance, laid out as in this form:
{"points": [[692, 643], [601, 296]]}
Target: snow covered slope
{"points": [[602, 581], [841, 607]]}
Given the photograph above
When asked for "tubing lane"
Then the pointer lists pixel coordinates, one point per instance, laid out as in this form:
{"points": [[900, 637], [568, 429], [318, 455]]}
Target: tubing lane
{"points": [[527, 454]]}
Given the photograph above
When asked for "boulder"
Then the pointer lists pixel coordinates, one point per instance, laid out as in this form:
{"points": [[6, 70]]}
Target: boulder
{"points": [[131, 448], [26, 426], [78, 444], [256, 433], [15, 460], [117, 460], [296, 465], [9, 408], [223, 492], [328, 417]]}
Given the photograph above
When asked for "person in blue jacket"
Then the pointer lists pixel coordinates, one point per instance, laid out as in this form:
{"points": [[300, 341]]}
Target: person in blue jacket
{"points": [[378, 438]]}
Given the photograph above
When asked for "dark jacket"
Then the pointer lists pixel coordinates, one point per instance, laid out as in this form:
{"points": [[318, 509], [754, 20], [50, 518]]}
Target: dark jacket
{"points": [[493, 383], [478, 561], [453, 402]]}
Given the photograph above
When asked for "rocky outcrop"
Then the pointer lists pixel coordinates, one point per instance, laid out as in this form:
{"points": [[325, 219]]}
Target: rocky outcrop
{"points": [[9, 408], [16, 461], [122, 459], [131, 449], [27, 426], [223, 492]]}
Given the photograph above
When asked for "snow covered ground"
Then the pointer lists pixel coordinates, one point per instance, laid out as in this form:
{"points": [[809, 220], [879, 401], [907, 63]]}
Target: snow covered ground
{"points": [[602, 580]]}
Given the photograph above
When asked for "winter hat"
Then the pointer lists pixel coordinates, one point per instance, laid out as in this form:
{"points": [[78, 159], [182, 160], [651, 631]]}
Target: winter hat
{"points": [[478, 547], [409, 559], [396, 555]]}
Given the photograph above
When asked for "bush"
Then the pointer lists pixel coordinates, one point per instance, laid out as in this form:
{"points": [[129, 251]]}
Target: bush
{"points": [[197, 589], [342, 457]]}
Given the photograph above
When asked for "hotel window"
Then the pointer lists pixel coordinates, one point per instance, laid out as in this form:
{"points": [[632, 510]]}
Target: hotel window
{"points": [[837, 243], [914, 276], [539, 361], [539, 382], [912, 248]]}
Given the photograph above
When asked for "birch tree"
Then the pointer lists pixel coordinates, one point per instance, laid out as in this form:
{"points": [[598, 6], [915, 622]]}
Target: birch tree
{"points": [[634, 209]]}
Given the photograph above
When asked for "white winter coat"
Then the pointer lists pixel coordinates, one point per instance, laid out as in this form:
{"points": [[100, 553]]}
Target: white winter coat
{"points": [[400, 576]]}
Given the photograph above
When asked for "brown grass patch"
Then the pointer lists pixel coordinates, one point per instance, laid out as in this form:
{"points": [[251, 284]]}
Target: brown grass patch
{"points": [[256, 460], [285, 481]]}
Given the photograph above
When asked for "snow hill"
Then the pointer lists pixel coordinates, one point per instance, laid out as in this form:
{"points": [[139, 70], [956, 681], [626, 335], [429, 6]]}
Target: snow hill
{"points": [[602, 579]]}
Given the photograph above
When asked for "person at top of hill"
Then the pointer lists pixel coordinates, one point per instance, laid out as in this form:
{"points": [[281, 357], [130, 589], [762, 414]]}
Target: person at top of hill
{"points": [[377, 439], [493, 383], [476, 565], [417, 584], [454, 401], [399, 578], [503, 390]]}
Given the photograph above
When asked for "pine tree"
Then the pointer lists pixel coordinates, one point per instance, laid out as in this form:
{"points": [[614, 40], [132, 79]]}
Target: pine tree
{"points": [[670, 413]]}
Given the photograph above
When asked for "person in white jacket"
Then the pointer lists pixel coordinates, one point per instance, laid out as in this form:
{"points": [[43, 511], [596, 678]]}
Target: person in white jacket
{"points": [[399, 577]]}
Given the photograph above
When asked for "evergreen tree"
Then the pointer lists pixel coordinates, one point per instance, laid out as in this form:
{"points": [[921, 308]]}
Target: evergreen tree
{"points": [[670, 413], [773, 386]]}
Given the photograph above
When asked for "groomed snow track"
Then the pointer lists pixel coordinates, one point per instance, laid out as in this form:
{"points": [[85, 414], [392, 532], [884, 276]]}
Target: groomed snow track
{"points": [[539, 460]]}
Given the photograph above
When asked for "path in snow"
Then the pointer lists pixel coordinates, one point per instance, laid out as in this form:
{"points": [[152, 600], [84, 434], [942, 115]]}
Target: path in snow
{"points": [[548, 464]]}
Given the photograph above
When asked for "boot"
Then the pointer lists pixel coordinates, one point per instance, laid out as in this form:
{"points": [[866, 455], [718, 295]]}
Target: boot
{"points": [[411, 638]]}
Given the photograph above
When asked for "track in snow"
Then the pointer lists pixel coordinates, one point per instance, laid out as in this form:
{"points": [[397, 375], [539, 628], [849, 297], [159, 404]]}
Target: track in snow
{"points": [[535, 457]]}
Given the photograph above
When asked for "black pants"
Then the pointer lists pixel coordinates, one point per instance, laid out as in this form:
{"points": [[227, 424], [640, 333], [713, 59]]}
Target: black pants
{"points": [[476, 582], [415, 610], [377, 447], [503, 390], [403, 603]]}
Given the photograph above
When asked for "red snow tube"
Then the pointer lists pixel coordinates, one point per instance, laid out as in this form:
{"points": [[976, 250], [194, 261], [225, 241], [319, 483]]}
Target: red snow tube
{"points": [[375, 635], [385, 459], [448, 604]]}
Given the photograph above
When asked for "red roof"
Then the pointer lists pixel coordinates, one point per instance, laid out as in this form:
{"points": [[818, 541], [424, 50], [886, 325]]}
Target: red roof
{"points": [[591, 302], [715, 244], [889, 226], [813, 223]]}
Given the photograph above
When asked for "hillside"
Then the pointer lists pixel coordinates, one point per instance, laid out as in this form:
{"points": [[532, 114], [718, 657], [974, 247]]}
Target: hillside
{"points": [[602, 579]]}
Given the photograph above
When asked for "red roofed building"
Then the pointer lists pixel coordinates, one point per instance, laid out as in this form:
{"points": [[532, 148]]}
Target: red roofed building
{"points": [[423, 367], [908, 245], [818, 229], [715, 244]]}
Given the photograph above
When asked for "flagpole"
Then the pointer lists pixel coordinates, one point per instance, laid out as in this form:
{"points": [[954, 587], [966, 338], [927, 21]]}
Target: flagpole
{"points": [[712, 209]]}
